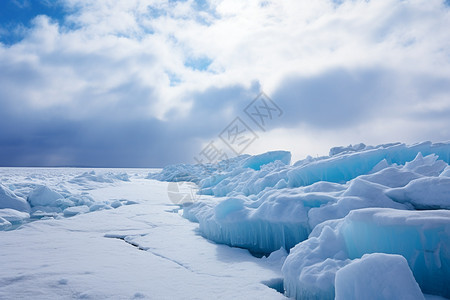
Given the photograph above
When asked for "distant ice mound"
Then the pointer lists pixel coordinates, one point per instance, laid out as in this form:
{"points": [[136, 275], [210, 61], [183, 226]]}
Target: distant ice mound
{"points": [[332, 210], [46, 202], [91, 179], [9, 200], [198, 172], [237, 176], [44, 196], [22, 202]]}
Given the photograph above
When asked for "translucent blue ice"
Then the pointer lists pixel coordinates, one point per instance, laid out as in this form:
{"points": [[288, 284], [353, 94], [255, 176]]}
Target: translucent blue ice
{"points": [[250, 175], [421, 237], [331, 211]]}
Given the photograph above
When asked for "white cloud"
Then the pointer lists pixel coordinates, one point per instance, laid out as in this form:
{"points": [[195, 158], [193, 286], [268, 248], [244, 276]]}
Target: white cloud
{"points": [[131, 58], [21, 3]]}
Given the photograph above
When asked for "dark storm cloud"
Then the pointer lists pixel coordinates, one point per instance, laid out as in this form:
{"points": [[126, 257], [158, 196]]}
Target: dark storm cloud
{"points": [[115, 85], [342, 98], [114, 135]]}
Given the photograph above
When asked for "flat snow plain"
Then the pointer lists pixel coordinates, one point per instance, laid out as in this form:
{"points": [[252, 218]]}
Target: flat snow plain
{"points": [[142, 249]]}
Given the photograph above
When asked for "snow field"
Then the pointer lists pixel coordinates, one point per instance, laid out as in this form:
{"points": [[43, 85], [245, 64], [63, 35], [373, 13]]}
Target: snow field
{"points": [[363, 222]]}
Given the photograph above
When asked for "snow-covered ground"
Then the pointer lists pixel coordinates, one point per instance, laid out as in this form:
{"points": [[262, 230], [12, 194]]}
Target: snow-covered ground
{"points": [[142, 248], [363, 223]]}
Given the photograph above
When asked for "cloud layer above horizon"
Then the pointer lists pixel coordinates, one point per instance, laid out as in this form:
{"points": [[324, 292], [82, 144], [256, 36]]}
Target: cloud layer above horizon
{"points": [[142, 83]]}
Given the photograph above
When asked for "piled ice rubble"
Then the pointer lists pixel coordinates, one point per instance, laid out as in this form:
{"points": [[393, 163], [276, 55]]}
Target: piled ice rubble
{"points": [[421, 237], [46, 202], [352, 148], [377, 276], [34, 201], [10, 200], [10, 217], [196, 173], [13, 209], [235, 177], [277, 216], [44, 196], [278, 205], [92, 179]]}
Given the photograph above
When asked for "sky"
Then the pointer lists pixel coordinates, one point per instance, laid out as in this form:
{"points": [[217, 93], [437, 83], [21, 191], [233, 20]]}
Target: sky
{"points": [[146, 83]]}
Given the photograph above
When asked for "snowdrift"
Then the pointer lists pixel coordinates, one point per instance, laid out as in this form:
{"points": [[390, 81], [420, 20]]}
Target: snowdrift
{"points": [[329, 212]]}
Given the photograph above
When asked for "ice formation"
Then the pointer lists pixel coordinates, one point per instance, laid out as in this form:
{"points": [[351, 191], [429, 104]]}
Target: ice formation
{"points": [[25, 200], [377, 276], [424, 193], [46, 202], [234, 177], [335, 209], [13, 216], [9, 200], [92, 176], [44, 196], [282, 216], [421, 237], [383, 209]]}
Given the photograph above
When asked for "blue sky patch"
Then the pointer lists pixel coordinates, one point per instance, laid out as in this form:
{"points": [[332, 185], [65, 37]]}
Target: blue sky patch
{"points": [[16, 16], [200, 64]]}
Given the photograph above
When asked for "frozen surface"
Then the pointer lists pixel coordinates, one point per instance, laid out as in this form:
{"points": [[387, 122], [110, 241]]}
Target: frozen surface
{"points": [[377, 276], [257, 161], [424, 193], [272, 169], [322, 223], [13, 216], [10, 200], [268, 204], [44, 196], [284, 216], [4, 224], [141, 249], [56, 193], [421, 237]]}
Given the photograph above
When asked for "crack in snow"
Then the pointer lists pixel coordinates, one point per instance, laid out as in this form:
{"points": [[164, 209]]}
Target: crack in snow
{"points": [[147, 249]]}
